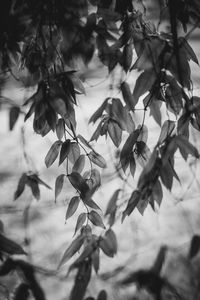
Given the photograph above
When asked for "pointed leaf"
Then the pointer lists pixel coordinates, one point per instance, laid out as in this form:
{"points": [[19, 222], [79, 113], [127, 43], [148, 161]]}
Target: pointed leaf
{"points": [[144, 83], [71, 250], [186, 147], [52, 153], [21, 185], [96, 219], [112, 202], [97, 159], [10, 247], [65, 149], [79, 164], [78, 183], [72, 207], [132, 204], [132, 166], [115, 132], [13, 116], [166, 130], [95, 260], [60, 129], [127, 96], [80, 221], [59, 185], [74, 152], [99, 112]]}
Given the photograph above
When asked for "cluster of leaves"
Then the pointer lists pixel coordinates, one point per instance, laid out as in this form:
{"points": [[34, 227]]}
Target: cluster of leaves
{"points": [[42, 39]]}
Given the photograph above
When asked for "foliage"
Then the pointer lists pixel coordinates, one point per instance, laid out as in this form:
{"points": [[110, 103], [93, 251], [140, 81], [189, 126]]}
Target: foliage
{"points": [[40, 42]]}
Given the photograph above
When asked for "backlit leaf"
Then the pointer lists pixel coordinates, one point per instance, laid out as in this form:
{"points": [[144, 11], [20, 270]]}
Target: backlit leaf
{"points": [[52, 153], [144, 83], [186, 147], [80, 221], [112, 202], [115, 132], [166, 130], [127, 149], [99, 112], [79, 164], [132, 204], [65, 149], [74, 152], [127, 96], [60, 129], [96, 219], [72, 207], [59, 185], [97, 159], [132, 166]]}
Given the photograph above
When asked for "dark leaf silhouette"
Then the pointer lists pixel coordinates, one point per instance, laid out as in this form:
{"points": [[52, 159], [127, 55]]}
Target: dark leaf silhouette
{"points": [[194, 246], [13, 117], [72, 207], [64, 151], [59, 185]]}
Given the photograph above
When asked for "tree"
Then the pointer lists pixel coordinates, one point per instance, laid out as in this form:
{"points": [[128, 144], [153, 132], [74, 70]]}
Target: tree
{"points": [[40, 44]]}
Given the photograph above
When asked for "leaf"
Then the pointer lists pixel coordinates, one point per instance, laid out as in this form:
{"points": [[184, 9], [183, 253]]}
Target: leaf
{"points": [[89, 202], [99, 112], [97, 159], [59, 185], [10, 247], [13, 116], [166, 175], [186, 147], [78, 183], [52, 153], [144, 83], [127, 96], [96, 219], [142, 205], [79, 164], [71, 250], [21, 186], [132, 204], [112, 202], [115, 132], [132, 166], [84, 142], [108, 243], [80, 221], [127, 56], [127, 149], [194, 246], [74, 152], [157, 192], [97, 132], [72, 207], [102, 295], [60, 128], [95, 260], [35, 177], [64, 152], [166, 130], [33, 184]]}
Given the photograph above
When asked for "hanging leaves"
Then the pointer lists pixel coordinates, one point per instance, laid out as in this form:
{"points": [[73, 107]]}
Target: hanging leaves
{"points": [[79, 164], [96, 219], [80, 221], [97, 159], [59, 185], [79, 183], [144, 83], [72, 207], [71, 250], [129, 99], [108, 243], [52, 153], [132, 204], [65, 149], [115, 132]]}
